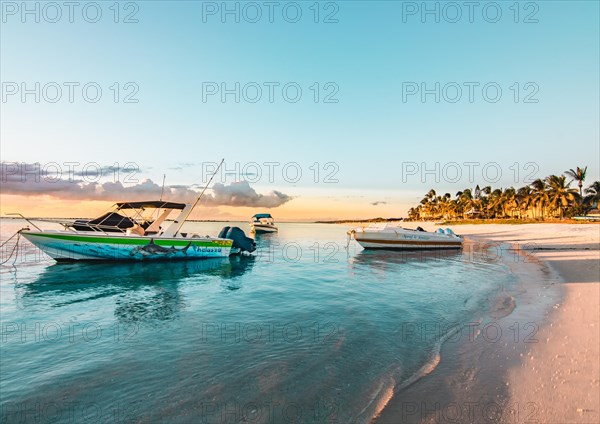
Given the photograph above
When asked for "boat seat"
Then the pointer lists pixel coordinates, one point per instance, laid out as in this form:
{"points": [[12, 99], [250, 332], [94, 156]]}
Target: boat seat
{"points": [[135, 230]]}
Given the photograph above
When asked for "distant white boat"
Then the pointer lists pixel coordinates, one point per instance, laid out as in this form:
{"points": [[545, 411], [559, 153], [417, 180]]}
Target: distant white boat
{"points": [[263, 223], [390, 236]]}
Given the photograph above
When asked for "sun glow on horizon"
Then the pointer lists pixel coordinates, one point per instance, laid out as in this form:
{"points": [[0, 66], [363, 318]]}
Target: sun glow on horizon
{"points": [[302, 209]]}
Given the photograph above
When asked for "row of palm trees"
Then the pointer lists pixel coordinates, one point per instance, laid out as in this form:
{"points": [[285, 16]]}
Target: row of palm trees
{"points": [[551, 197]]}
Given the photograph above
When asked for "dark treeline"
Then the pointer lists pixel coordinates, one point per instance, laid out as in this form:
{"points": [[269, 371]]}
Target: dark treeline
{"points": [[551, 197]]}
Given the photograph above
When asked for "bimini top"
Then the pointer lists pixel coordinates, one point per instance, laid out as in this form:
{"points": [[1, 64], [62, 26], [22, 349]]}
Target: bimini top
{"points": [[262, 215], [150, 204]]}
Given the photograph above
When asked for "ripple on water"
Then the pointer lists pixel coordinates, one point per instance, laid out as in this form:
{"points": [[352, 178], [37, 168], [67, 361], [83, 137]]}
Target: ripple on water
{"points": [[330, 333]]}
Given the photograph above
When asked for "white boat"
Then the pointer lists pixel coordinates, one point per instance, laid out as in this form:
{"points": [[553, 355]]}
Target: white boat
{"points": [[133, 231], [263, 223], [390, 236]]}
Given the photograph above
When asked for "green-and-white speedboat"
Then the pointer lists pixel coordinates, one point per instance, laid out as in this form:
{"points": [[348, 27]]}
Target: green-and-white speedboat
{"points": [[133, 231]]}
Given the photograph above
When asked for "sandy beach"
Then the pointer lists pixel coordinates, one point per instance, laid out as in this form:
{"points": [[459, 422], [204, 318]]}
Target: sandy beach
{"points": [[546, 369]]}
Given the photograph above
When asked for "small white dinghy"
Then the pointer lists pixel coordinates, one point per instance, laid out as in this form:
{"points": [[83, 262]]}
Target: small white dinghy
{"points": [[389, 236], [263, 223]]}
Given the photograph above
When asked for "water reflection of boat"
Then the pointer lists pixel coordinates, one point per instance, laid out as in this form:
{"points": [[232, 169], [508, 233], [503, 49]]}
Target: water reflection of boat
{"points": [[390, 266], [379, 258], [76, 276], [142, 291]]}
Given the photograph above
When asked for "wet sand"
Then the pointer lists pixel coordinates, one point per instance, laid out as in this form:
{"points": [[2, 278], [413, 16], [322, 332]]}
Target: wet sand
{"points": [[538, 362]]}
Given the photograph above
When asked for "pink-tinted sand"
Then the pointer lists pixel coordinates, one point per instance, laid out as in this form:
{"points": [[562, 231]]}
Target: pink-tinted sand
{"points": [[551, 377]]}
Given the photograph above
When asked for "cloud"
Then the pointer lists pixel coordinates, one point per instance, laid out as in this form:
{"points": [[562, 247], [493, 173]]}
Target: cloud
{"points": [[184, 165], [90, 171], [378, 203], [235, 194], [94, 171], [241, 194]]}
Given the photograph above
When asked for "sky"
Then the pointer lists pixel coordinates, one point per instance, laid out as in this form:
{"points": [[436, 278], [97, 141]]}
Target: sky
{"points": [[321, 110]]}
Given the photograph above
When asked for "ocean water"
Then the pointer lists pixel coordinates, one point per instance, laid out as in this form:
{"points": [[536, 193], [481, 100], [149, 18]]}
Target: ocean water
{"points": [[303, 331]]}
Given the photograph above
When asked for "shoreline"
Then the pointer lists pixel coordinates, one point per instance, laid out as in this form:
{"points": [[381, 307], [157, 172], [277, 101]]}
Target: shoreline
{"points": [[561, 374], [544, 368]]}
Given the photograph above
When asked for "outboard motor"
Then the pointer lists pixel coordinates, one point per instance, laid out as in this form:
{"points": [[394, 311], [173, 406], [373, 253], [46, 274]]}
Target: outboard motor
{"points": [[223, 233], [240, 241]]}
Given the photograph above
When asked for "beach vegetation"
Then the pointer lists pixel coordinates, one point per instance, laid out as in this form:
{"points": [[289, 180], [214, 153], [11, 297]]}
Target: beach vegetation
{"points": [[550, 198]]}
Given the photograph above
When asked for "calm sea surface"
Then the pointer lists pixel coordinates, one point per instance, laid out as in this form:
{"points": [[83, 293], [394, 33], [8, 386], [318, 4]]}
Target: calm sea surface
{"points": [[305, 331]]}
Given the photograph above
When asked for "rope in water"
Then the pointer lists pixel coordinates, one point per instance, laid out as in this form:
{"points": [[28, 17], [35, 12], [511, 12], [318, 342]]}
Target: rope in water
{"points": [[349, 234], [18, 234]]}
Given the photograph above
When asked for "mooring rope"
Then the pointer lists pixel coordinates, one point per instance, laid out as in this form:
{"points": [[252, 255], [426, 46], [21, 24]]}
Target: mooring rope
{"points": [[349, 234], [18, 234]]}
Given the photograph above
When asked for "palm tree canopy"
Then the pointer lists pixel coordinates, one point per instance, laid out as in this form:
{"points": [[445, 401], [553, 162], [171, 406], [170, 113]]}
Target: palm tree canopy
{"points": [[593, 194], [559, 192], [538, 185], [577, 174], [550, 196], [593, 189]]}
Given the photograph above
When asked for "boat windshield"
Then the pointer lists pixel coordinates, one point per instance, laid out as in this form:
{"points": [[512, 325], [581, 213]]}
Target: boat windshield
{"points": [[379, 226], [262, 215]]}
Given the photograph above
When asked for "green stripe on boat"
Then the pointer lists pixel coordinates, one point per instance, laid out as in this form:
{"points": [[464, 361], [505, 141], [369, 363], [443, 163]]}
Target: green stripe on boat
{"points": [[136, 241]]}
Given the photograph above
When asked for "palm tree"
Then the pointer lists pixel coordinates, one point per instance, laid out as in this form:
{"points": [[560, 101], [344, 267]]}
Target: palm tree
{"points": [[428, 203], [509, 201], [560, 195], [540, 195], [452, 208], [495, 203], [484, 200], [444, 203], [579, 176], [413, 214], [593, 194], [524, 199], [430, 194], [465, 200]]}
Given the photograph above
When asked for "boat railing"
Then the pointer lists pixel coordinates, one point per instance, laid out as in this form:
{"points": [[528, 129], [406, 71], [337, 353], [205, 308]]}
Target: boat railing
{"points": [[378, 226], [26, 219], [98, 227], [136, 218]]}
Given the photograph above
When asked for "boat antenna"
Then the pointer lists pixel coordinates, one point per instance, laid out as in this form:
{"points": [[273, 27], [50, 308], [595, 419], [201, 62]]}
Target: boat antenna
{"points": [[185, 217], [162, 190]]}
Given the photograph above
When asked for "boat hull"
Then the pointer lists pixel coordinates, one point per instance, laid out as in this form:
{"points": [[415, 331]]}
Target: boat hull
{"points": [[407, 245], [401, 239], [63, 246], [256, 228]]}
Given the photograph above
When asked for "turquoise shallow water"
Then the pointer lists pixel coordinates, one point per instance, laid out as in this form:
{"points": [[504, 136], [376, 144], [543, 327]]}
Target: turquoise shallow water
{"points": [[303, 332]]}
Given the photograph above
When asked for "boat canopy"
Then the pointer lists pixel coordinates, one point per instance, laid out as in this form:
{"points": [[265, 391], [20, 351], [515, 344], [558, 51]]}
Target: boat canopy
{"points": [[123, 216], [109, 222], [262, 215], [158, 204]]}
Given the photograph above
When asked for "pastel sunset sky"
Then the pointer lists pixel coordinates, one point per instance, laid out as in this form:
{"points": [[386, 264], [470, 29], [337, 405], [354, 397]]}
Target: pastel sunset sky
{"points": [[334, 110]]}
